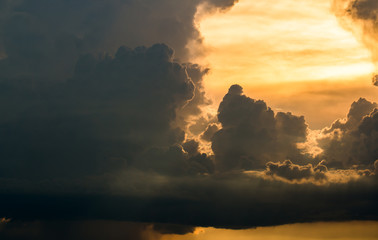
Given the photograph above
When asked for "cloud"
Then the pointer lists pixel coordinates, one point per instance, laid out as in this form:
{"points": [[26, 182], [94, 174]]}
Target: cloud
{"points": [[252, 135], [294, 172], [88, 229], [318, 175], [358, 110], [227, 201], [352, 141], [174, 161], [76, 94], [91, 130], [76, 230], [209, 132], [105, 117], [360, 17], [173, 229], [104, 146], [44, 39]]}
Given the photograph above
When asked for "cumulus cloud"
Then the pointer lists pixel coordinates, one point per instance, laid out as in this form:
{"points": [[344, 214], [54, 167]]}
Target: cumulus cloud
{"points": [[252, 135], [91, 130], [293, 172], [352, 141], [209, 132], [102, 146], [109, 113]]}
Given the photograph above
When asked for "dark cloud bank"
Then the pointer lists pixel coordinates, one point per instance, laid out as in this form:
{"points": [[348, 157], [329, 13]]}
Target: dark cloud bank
{"points": [[93, 134]]}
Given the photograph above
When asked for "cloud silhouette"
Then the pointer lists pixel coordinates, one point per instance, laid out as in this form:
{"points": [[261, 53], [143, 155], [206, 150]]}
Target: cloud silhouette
{"points": [[159, 176], [91, 130], [352, 141], [252, 135], [112, 110], [44, 39]]}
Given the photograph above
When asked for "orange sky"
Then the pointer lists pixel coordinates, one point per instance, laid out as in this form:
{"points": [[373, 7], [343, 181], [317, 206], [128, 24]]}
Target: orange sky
{"points": [[357, 230], [292, 54]]}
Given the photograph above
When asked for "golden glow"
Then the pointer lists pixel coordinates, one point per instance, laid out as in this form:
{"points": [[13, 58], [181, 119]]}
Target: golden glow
{"points": [[278, 50], [276, 41], [358, 230], [320, 101]]}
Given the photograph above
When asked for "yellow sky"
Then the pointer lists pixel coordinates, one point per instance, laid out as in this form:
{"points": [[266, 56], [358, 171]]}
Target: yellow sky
{"points": [[358, 230], [293, 54]]}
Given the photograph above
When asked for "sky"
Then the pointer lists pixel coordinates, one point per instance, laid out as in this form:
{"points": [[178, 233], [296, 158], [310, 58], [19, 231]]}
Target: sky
{"points": [[192, 119], [284, 54]]}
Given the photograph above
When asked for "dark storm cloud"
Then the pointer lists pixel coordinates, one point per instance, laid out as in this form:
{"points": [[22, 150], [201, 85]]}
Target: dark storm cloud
{"points": [[253, 135], [90, 130], [87, 229], [123, 160], [354, 141], [174, 161], [44, 42], [110, 112], [76, 230], [43, 39], [230, 201]]}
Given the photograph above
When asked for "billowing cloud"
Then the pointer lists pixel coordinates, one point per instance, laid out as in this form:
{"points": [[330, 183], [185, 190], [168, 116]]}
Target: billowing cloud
{"points": [[115, 136], [253, 135], [294, 172], [44, 39], [127, 162], [209, 132], [354, 140], [112, 110]]}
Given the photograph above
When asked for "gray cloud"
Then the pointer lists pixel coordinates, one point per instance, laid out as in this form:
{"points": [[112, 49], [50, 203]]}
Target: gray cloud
{"points": [[173, 229], [105, 117], [146, 170], [209, 132], [44, 39], [358, 110], [88, 136], [77, 230], [253, 135], [227, 200], [87, 229], [354, 141], [294, 172]]}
